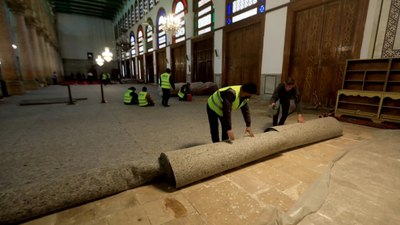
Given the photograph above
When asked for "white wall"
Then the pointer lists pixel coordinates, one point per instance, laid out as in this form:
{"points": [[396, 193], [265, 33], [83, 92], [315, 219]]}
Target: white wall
{"points": [[81, 34], [382, 26], [274, 41], [371, 27], [219, 7]]}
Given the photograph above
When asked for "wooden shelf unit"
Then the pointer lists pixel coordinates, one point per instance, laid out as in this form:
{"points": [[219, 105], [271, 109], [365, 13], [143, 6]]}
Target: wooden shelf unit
{"points": [[371, 89]]}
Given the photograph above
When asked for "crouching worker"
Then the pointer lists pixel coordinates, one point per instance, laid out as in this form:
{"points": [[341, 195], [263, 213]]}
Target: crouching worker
{"points": [[185, 94], [220, 105], [145, 98], [130, 97]]}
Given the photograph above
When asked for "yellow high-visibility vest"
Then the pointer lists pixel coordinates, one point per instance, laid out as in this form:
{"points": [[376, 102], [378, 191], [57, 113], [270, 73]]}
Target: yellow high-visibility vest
{"points": [[165, 81], [127, 96], [142, 98], [215, 100]]}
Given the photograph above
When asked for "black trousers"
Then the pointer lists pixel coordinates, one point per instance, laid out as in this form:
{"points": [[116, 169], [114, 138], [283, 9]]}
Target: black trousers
{"points": [[285, 112], [165, 96], [213, 121]]}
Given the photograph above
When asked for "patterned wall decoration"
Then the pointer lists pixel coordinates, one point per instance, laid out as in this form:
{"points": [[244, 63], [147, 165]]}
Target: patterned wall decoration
{"points": [[389, 49]]}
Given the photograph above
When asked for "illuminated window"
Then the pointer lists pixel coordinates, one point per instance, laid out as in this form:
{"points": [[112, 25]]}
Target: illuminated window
{"points": [[122, 55], [132, 16], [126, 22], [137, 13], [141, 5], [133, 44], [161, 36], [180, 9], [237, 10], [151, 4], [140, 40], [149, 36], [204, 17], [129, 18]]}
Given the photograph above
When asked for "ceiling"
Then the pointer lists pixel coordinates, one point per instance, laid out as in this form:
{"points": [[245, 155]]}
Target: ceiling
{"points": [[105, 9]]}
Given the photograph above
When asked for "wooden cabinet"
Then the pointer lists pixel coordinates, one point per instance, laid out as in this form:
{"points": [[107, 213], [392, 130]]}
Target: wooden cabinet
{"points": [[371, 89]]}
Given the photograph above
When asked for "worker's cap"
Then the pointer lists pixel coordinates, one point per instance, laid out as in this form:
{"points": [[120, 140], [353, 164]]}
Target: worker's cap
{"points": [[132, 88]]}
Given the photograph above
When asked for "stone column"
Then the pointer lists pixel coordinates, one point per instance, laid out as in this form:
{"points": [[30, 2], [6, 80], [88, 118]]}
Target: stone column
{"points": [[8, 66], [53, 60], [47, 57], [25, 50], [43, 53], [31, 22]]}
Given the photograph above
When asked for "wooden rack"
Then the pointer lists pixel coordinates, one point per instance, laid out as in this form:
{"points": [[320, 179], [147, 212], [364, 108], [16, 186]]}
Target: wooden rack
{"points": [[371, 89]]}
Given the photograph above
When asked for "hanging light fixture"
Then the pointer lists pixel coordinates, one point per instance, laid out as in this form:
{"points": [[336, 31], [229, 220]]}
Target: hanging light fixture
{"points": [[171, 24], [99, 60], [107, 55]]}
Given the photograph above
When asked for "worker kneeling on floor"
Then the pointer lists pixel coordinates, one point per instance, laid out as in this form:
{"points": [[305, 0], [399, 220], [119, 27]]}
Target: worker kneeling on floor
{"points": [[145, 98], [185, 94]]}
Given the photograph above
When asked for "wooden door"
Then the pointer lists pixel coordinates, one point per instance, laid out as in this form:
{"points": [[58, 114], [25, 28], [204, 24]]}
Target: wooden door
{"points": [[203, 60], [128, 68], [320, 36], [133, 68], [178, 64], [243, 45], [149, 68], [161, 57], [141, 72]]}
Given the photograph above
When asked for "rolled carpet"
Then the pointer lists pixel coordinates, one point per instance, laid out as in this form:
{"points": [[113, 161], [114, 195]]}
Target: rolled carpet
{"points": [[189, 165]]}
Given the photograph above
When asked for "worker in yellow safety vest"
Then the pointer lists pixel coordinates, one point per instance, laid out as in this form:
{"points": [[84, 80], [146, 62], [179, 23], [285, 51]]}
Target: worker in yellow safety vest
{"points": [[130, 96], [220, 105], [166, 83], [145, 98], [104, 78], [185, 94]]}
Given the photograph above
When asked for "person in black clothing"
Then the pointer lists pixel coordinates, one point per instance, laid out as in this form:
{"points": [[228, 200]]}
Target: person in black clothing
{"points": [[220, 105], [184, 91], [130, 97], [283, 93], [167, 83]]}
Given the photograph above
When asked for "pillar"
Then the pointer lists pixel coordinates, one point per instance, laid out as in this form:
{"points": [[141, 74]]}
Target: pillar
{"points": [[43, 53], [31, 22], [8, 66], [24, 47]]}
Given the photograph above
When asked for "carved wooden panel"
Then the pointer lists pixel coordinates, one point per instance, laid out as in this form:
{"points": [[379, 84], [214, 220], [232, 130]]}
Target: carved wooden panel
{"points": [[132, 65], [203, 60], [150, 68], [161, 63], [243, 52], [178, 55], [392, 31], [320, 37], [141, 72]]}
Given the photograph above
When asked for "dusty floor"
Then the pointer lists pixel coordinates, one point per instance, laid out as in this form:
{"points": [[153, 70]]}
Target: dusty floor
{"points": [[250, 194], [246, 195]]}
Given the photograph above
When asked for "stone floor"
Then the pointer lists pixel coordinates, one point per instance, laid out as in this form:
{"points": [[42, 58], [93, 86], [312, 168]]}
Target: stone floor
{"points": [[252, 194], [241, 196]]}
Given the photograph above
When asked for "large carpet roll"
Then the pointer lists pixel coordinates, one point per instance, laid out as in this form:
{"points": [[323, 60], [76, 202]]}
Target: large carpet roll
{"points": [[189, 165]]}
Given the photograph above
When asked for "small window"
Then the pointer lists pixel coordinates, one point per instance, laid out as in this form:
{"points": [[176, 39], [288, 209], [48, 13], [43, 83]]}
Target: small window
{"points": [[237, 10], [133, 45], [149, 36], [204, 17], [180, 9], [140, 40], [161, 35]]}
